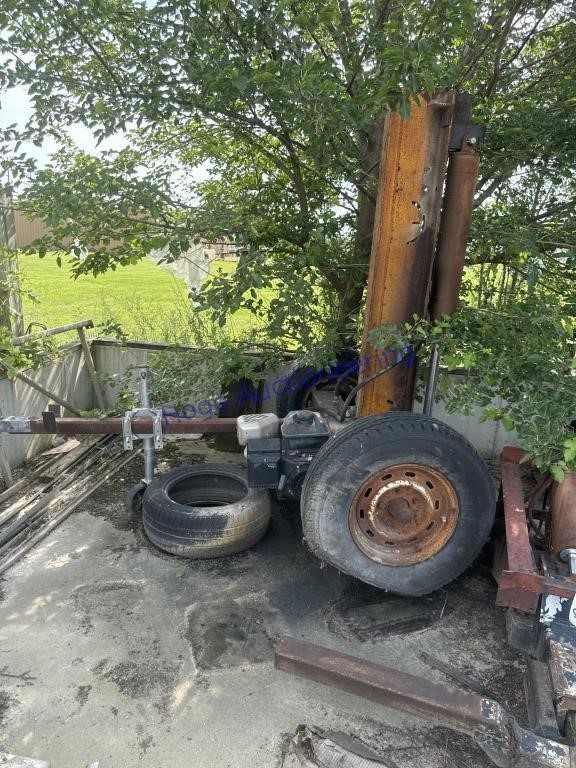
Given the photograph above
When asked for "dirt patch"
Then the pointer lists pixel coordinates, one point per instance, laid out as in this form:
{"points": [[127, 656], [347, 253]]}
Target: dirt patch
{"points": [[82, 694], [109, 501], [107, 601], [232, 632], [6, 702], [139, 680], [369, 614]]}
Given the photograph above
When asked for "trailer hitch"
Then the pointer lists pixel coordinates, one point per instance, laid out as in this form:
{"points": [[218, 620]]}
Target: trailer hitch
{"points": [[495, 730]]}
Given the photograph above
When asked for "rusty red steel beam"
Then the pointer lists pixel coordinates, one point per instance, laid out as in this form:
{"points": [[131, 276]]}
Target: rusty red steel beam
{"points": [[483, 719], [523, 590], [113, 426], [520, 556], [412, 170], [460, 709]]}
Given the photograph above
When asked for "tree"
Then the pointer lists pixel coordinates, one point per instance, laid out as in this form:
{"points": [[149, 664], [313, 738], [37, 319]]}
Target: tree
{"points": [[285, 102]]}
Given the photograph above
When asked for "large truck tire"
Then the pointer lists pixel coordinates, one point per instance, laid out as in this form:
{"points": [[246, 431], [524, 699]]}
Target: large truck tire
{"points": [[400, 501]]}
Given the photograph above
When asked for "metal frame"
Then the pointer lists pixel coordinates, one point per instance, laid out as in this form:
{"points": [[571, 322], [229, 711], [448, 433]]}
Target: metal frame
{"points": [[523, 581]]}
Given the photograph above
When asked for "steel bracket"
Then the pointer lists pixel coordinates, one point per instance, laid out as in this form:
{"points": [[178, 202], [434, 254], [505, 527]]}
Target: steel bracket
{"points": [[129, 436]]}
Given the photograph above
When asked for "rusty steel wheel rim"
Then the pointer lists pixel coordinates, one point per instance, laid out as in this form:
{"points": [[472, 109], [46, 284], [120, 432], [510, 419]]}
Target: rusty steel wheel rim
{"points": [[404, 514]]}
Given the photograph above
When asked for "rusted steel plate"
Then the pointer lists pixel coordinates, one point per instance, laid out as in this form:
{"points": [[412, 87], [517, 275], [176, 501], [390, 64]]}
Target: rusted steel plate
{"points": [[523, 590], [412, 170], [519, 590]]}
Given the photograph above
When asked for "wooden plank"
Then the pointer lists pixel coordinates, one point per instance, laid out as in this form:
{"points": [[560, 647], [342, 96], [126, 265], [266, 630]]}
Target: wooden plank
{"points": [[412, 170], [91, 369]]}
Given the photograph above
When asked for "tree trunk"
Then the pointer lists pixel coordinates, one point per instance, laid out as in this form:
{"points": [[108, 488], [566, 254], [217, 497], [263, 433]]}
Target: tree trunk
{"points": [[10, 301], [350, 296]]}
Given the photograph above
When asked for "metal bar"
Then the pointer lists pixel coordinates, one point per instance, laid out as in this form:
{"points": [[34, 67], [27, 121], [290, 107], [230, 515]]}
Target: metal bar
{"points": [[147, 442], [459, 709], [432, 379], [113, 426], [54, 463], [91, 369], [412, 170], [59, 484], [18, 505], [520, 556], [487, 722], [17, 340], [523, 590], [47, 393]]}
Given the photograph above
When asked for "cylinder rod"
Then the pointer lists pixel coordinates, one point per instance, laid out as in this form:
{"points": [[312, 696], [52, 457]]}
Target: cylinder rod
{"points": [[454, 228], [147, 442]]}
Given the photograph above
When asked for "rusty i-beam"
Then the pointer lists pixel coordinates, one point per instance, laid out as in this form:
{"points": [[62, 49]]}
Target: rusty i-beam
{"points": [[412, 171]]}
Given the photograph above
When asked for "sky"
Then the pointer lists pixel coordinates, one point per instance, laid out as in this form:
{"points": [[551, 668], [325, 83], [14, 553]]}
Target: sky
{"points": [[15, 108]]}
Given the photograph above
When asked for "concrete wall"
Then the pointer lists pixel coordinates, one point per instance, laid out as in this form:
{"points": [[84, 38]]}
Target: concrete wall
{"points": [[488, 437], [66, 376]]}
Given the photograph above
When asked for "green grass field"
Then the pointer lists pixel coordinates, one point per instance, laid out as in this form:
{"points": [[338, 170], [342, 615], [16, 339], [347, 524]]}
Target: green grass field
{"points": [[145, 300]]}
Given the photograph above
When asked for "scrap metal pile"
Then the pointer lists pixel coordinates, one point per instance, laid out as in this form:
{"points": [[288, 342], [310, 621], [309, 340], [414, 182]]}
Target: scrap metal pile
{"points": [[52, 492]]}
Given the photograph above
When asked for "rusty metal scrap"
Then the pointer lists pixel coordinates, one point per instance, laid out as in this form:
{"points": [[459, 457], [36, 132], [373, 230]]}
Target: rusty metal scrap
{"points": [[486, 721], [312, 749]]}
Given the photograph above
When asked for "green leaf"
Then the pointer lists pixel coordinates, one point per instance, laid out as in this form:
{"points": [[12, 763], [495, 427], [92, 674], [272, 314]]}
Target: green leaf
{"points": [[557, 473]]}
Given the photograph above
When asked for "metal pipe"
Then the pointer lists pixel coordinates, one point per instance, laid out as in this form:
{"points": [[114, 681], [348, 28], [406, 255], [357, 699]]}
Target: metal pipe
{"points": [[432, 379], [147, 442], [30, 542], [455, 223], [563, 516]]}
